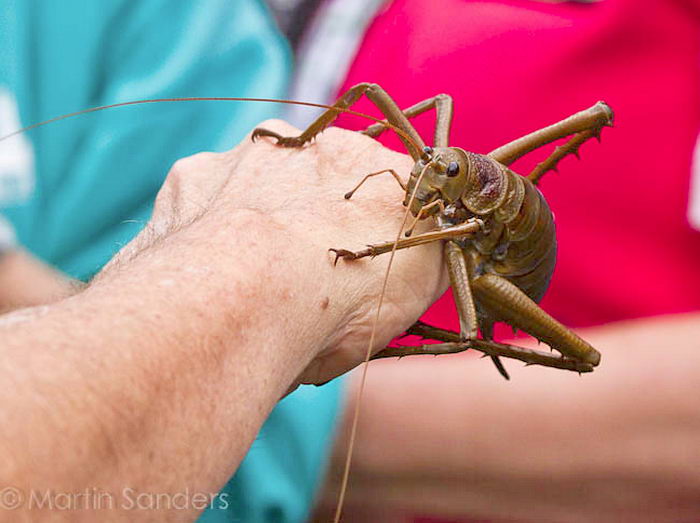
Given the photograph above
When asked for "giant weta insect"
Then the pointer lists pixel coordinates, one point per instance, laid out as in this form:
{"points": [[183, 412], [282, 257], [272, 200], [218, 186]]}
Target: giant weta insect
{"points": [[497, 229]]}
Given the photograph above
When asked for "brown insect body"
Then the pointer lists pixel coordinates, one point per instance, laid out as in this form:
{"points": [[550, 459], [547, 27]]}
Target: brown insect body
{"points": [[517, 240], [497, 230]]}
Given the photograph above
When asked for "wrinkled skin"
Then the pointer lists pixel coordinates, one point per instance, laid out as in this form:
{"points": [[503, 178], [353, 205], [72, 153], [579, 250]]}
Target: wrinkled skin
{"points": [[292, 203]]}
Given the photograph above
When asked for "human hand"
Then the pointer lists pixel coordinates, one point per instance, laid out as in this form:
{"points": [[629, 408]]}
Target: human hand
{"points": [[271, 214]]}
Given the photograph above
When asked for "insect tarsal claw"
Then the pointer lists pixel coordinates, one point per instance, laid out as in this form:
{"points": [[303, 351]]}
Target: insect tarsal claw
{"points": [[342, 253], [260, 131]]}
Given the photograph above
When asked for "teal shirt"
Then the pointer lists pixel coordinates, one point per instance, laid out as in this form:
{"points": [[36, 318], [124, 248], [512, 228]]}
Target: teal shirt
{"points": [[77, 190]]}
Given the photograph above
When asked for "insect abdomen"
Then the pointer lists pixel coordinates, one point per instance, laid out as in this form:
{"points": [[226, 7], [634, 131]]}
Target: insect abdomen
{"points": [[519, 242]]}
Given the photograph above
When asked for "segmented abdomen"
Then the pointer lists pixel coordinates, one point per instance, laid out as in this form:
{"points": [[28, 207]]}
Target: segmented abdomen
{"points": [[519, 241]]}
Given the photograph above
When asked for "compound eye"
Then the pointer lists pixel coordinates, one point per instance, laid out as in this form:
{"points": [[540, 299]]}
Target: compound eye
{"points": [[428, 150], [452, 169]]}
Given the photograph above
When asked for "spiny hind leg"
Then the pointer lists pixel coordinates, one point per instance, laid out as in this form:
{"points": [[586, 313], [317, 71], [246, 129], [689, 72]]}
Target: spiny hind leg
{"points": [[508, 303], [413, 142], [452, 345], [570, 147], [584, 125], [442, 103]]}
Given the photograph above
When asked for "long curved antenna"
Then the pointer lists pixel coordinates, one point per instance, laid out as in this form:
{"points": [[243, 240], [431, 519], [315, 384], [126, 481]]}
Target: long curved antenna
{"points": [[375, 323], [203, 99]]}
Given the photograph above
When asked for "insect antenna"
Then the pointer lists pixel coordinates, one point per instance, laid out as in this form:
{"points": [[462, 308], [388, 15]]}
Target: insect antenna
{"points": [[206, 99], [363, 379]]}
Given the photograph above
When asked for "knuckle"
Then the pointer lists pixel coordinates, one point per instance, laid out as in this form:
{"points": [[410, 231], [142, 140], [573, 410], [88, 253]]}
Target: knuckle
{"points": [[189, 164], [163, 199], [337, 132]]}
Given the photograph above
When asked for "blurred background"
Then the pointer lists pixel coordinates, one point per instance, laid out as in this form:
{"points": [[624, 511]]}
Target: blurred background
{"points": [[439, 440]]}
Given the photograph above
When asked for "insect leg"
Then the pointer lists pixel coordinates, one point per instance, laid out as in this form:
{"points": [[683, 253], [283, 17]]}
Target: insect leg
{"points": [[508, 303], [570, 147], [458, 231], [452, 345], [592, 119], [461, 292], [443, 118], [414, 143]]}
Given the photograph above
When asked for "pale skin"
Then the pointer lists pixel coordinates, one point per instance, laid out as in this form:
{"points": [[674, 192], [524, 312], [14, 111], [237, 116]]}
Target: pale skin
{"points": [[227, 300], [437, 435], [27, 281]]}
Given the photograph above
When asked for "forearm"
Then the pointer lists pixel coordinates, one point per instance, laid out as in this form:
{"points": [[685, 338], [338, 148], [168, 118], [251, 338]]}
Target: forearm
{"points": [[155, 378], [621, 443]]}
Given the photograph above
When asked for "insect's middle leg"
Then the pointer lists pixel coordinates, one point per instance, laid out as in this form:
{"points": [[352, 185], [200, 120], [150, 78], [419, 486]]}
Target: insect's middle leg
{"points": [[460, 281], [462, 230], [461, 290], [443, 118]]}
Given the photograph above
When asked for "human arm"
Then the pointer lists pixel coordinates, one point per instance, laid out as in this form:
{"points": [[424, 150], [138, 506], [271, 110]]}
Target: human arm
{"points": [[158, 375], [26, 281], [448, 436]]}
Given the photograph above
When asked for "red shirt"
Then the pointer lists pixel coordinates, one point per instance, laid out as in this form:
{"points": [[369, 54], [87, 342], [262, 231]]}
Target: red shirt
{"points": [[626, 248]]}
